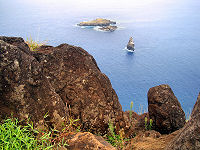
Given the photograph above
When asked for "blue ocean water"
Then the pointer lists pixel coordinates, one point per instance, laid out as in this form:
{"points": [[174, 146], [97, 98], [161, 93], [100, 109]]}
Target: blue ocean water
{"points": [[166, 35]]}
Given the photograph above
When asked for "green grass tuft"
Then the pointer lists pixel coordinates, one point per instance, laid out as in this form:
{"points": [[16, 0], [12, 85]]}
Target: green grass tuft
{"points": [[15, 136], [116, 140], [34, 45], [148, 126]]}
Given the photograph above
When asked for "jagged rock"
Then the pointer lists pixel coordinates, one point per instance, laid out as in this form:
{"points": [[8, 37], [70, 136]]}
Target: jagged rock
{"points": [[131, 45], [34, 83], [24, 90], [88, 141], [108, 28], [165, 109], [97, 22], [189, 136]]}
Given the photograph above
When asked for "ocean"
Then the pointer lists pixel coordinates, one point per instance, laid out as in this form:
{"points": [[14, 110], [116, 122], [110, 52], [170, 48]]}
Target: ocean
{"points": [[166, 36]]}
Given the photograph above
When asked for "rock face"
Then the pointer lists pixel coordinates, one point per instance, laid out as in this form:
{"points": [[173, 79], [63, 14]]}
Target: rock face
{"points": [[34, 83], [165, 110], [189, 136], [131, 45], [108, 28], [24, 90], [88, 141], [75, 76], [97, 22]]}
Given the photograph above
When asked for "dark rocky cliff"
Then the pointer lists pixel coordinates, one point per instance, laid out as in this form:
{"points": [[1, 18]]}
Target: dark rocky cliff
{"points": [[34, 83]]}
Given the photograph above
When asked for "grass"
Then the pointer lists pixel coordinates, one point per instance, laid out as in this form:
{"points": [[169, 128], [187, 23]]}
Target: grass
{"points": [[15, 136], [116, 140], [34, 45], [148, 126]]}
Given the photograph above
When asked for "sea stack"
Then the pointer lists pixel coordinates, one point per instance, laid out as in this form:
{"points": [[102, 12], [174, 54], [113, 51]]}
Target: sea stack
{"points": [[130, 45]]}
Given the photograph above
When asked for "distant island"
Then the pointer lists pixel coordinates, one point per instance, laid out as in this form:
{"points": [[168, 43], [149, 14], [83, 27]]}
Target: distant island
{"points": [[131, 45], [105, 24]]}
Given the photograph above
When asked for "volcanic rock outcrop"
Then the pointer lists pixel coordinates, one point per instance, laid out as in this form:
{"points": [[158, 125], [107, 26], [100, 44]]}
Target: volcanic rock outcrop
{"points": [[34, 83], [165, 109], [24, 90], [189, 136], [131, 45]]}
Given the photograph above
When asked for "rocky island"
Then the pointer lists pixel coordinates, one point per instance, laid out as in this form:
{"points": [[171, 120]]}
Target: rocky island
{"points": [[105, 24], [131, 45], [97, 22]]}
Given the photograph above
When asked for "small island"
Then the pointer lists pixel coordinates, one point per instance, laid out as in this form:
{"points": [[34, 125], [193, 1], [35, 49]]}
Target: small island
{"points": [[131, 45], [105, 24]]}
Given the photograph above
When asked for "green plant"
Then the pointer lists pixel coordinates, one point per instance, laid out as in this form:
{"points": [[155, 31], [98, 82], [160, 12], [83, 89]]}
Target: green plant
{"points": [[15, 136], [22, 135], [59, 138], [131, 110], [146, 123], [33, 45], [148, 126], [116, 140], [70, 125]]}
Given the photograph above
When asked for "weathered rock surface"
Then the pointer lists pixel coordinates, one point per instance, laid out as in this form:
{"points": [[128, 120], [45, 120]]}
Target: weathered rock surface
{"points": [[189, 136], [97, 22], [165, 110], [75, 76], [131, 45], [32, 84], [24, 89], [150, 140], [108, 28], [88, 141]]}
